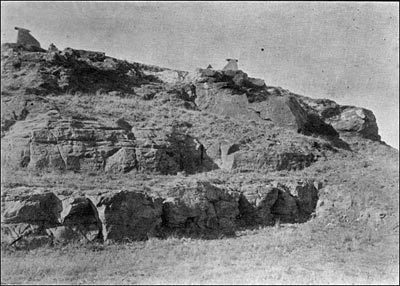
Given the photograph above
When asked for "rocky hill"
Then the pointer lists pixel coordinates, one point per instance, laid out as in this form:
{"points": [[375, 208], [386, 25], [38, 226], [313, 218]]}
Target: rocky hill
{"points": [[96, 148]]}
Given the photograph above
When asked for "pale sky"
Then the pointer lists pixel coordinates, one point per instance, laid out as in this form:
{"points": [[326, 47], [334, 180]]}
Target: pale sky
{"points": [[348, 52]]}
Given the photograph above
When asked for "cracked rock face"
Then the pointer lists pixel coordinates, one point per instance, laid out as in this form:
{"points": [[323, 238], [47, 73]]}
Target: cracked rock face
{"points": [[33, 217], [126, 215], [347, 120], [199, 206], [69, 70], [53, 142], [37, 135], [232, 93]]}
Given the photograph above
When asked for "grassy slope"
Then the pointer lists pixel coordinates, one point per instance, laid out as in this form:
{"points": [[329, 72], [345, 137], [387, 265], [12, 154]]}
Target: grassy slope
{"points": [[304, 254], [335, 249]]}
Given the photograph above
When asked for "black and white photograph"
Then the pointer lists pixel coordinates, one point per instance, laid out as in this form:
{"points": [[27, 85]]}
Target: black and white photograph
{"points": [[199, 142]]}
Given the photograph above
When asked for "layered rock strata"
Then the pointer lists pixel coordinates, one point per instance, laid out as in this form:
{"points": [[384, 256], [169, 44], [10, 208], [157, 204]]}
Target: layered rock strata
{"points": [[30, 217]]}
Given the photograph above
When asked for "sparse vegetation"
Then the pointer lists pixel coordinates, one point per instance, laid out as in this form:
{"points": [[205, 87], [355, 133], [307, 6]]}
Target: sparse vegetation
{"points": [[311, 253], [342, 248], [355, 240]]}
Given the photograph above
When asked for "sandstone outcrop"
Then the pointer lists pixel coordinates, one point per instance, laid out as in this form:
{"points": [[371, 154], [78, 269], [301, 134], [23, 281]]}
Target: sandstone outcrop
{"points": [[197, 206], [30, 217], [64, 71], [233, 93], [347, 120], [173, 126], [229, 92], [52, 142], [126, 215]]}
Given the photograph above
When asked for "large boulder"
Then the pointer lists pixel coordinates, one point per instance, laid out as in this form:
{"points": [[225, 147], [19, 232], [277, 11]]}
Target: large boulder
{"points": [[40, 207], [63, 216], [264, 202], [31, 217], [199, 206], [347, 120], [126, 215]]}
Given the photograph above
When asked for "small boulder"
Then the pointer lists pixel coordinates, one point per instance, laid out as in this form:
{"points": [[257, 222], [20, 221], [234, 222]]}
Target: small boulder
{"points": [[231, 65]]}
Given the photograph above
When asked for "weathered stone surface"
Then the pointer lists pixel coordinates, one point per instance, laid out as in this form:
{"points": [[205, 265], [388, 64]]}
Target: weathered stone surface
{"points": [[40, 207], [200, 206], [217, 99], [232, 93], [231, 65], [78, 220], [22, 107], [13, 232], [254, 128], [122, 161], [70, 144], [169, 151], [67, 70], [347, 120], [25, 38], [50, 141], [179, 95], [257, 82], [285, 207], [166, 75], [256, 202], [37, 211], [306, 195], [64, 218], [222, 154], [263, 203], [184, 205], [126, 214]]}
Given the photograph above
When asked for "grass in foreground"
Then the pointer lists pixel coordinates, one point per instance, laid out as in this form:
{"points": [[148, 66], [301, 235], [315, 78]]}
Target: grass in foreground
{"points": [[311, 253]]}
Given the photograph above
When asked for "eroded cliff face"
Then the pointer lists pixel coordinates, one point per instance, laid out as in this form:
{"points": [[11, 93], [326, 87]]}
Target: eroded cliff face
{"points": [[37, 216], [53, 142], [83, 112], [233, 93]]}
